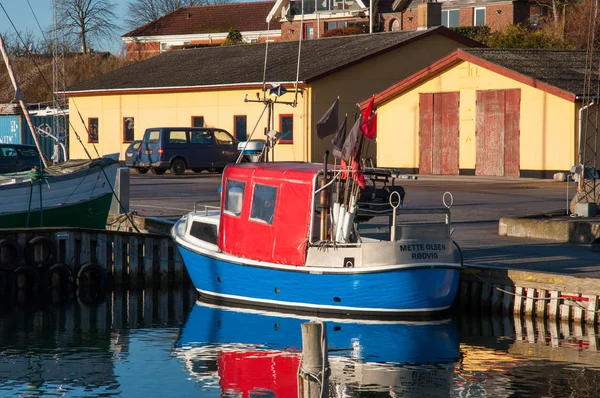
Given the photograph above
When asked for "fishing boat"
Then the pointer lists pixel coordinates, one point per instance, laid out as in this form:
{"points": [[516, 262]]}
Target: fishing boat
{"points": [[76, 193], [275, 243], [409, 358]]}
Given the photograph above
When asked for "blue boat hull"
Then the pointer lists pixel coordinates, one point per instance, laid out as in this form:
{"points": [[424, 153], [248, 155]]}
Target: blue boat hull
{"points": [[394, 342], [400, 292]]}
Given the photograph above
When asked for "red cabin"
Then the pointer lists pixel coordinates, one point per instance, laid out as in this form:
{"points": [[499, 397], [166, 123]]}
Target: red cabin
{"points": [[266, 210]]}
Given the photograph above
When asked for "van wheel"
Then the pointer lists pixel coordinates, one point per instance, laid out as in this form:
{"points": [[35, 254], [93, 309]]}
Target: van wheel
{"points": [[178, 167], [142, 170], [158, 172]]}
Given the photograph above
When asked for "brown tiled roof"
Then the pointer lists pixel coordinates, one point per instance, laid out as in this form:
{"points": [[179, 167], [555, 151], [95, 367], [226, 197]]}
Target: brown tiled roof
{"points": [[559, 72], [244, 17], [243, 64], [563, 69]]}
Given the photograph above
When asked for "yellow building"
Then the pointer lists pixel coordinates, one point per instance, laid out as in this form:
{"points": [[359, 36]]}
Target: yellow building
{"points": [[208, 86], [495, 112]]}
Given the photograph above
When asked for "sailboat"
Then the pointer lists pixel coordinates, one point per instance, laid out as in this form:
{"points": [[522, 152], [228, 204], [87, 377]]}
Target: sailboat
{"points": [[76, 193]]}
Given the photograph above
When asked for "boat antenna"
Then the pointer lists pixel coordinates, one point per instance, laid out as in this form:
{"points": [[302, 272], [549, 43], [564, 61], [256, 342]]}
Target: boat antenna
{"points": [[266, 57], [19, 97], [299, 54]]}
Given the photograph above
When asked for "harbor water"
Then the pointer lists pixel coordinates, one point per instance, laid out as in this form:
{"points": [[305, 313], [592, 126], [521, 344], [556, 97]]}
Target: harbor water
{"points": [[153, 343]]}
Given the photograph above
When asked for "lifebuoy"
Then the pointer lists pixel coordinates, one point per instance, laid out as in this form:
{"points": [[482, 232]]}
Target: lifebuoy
{"points": [[24, 278], [49, 251], [10, 254], [91, 275], [58, 276]]}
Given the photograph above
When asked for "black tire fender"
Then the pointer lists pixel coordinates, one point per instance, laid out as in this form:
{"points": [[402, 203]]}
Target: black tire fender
{"points": [[91, 275], [30, 252], [18, 250], [30, 275], [63, 272]]}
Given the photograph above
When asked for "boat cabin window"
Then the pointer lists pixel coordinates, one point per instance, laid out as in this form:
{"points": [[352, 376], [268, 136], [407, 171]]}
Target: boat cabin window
{"points": [[263, 203], [234, 196], [205, 232]]}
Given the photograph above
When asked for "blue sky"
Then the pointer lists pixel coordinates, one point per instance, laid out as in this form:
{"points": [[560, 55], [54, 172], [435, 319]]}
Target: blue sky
{"points": [[22, 17]]}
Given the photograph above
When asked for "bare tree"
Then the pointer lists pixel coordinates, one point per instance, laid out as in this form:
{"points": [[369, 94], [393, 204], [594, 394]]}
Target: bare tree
{"points": [[141, 12], [88, 20], [22, 43]]}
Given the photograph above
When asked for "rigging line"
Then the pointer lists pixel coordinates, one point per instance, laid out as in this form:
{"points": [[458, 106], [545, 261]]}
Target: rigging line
{"points": [[251, 134], [44, 79], [37, 22], [70, 124], [299, 52]]}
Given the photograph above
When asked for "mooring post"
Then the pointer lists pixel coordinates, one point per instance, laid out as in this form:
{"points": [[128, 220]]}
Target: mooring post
{"points": [[313, 374]]}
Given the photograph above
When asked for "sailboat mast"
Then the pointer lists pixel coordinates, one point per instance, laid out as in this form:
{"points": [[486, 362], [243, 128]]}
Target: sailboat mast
{"points": [[19, 96]]}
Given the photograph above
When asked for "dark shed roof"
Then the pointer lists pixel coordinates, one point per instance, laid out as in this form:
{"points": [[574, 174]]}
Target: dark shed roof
{"points": [[244, 64], [210, 19], [563, 69]]}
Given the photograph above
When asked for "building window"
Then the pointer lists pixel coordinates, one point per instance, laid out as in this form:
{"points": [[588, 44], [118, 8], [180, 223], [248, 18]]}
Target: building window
{"points": [[309, 31], [197, 121], [450, 18], [263, 203], [93, 129], [286, 128], [164, 47], [239, 127], [395, 25], [479, 19], [335, 25], [128, 131]]}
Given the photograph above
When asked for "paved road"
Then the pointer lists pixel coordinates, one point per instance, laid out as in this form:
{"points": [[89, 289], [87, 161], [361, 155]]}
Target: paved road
{"points": [[479, 202]]}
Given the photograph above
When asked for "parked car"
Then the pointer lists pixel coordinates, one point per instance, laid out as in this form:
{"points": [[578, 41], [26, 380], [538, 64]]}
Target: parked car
{"points": [[15, 158], [182, 148], [132, 157]]}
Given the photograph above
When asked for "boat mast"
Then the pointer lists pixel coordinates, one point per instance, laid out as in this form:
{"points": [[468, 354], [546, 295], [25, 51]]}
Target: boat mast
{"points": [[19, 96]]}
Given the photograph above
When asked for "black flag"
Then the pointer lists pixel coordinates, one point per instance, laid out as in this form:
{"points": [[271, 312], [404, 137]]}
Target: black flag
{"points": [[338, 141], [350, 142], [329, 122]]}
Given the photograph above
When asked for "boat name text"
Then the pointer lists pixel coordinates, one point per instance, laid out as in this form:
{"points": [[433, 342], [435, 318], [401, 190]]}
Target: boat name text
{"points": [[431, 248]]}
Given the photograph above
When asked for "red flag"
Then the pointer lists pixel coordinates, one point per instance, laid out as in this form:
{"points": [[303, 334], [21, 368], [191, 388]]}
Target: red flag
{"points": [[357, 175], [369, 124], [369, 109], [344, 169]]}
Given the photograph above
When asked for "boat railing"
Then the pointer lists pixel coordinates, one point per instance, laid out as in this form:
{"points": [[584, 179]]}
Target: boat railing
{"points": [[199, 206], [395, 208]]}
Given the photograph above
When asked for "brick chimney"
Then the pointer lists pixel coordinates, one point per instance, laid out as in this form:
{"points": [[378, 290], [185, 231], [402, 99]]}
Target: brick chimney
{"points": [[429, 14]]}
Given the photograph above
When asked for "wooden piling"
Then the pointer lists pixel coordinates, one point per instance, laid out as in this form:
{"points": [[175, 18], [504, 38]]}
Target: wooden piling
{"points": [[313, 375]]}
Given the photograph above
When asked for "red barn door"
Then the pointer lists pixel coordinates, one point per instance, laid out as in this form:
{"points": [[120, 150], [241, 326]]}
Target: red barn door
{"points": [[439, 133], [497, 147]]}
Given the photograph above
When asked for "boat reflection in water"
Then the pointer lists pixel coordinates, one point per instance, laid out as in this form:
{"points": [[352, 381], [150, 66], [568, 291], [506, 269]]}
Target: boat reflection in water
{"points": [[252, 353]]}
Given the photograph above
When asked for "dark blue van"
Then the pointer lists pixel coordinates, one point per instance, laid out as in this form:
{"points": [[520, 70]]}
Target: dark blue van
{"points": [[182, 148]]}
